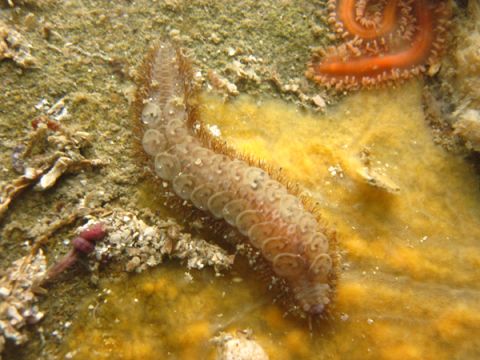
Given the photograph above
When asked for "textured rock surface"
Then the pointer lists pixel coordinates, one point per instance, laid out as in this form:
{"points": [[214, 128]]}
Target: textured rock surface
{"points": [[238, 347]]}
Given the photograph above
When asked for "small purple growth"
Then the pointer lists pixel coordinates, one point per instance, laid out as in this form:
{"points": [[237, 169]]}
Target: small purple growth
{"points": [[82, 245], [93, 233]]}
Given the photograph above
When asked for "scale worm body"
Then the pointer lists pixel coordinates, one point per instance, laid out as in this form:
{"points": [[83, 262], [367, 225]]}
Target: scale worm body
{"points": [[229, 188]]}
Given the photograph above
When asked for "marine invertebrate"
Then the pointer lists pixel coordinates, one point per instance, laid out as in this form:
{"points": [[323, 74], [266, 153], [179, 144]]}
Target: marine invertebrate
{"points": [[400, 249], [83, 244], [281, 226], [394, 44]]}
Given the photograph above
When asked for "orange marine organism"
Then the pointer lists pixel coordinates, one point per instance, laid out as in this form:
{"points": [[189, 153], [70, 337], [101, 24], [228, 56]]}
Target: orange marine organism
{"points": [[385, 41]]}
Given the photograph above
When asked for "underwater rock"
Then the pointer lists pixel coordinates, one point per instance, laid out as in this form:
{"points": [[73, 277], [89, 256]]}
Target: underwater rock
{"points": [[467, 79], [468, 126], [239, 346], [453, 103], [221, 83], [14, 46], [38, 3], [17, 295], [141, 246], [48, 152]]}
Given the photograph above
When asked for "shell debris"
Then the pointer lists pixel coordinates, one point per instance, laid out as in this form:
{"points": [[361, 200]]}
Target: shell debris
{"points": [[238, 346], [49, 151], [17, 295], [15, 47], [130, 240]]}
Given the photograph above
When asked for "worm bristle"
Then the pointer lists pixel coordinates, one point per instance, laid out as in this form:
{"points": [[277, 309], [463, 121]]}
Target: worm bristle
{"points": [[264, 208]]}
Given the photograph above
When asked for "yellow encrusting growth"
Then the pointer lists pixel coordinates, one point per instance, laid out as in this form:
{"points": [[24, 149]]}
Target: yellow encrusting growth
{"points": [[410, 278]]}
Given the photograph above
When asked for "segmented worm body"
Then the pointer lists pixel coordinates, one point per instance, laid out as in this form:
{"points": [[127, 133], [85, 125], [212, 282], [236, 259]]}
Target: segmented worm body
{"points": [[273, 220], [385, 41]]}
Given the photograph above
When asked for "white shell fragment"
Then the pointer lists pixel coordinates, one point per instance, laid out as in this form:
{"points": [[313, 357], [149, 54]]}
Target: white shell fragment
{"points": [[238, 346]]}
